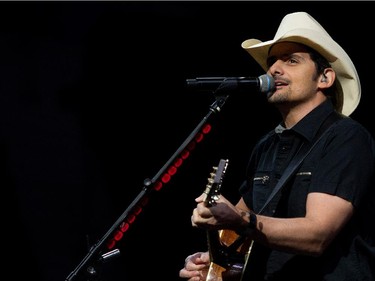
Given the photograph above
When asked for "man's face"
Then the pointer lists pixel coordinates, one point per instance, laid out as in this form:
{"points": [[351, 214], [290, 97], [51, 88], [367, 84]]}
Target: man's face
{"points": [[294, 72]]}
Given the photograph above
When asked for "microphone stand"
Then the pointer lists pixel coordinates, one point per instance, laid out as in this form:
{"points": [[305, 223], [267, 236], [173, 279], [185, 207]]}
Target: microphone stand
{"points": [[104, 250]]}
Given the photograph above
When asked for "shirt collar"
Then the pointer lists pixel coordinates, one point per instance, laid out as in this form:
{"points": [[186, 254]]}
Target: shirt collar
{"points": [[309, 125]]}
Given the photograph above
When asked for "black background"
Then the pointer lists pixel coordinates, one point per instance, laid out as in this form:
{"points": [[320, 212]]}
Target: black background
{"points": [[93, 101]]}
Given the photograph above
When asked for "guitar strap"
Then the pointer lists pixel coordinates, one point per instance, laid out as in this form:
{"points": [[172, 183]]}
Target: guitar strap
{"points": [[301, 155]]}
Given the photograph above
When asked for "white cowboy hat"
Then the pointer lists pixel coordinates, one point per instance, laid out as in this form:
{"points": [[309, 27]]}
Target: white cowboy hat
{"points": [[300, 27]]}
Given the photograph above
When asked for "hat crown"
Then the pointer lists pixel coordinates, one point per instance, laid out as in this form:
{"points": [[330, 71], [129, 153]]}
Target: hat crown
{"points": [[299, 20]]}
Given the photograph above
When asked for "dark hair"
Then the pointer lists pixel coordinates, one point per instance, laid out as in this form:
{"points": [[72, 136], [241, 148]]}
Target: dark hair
{"points": [[321, 63]]}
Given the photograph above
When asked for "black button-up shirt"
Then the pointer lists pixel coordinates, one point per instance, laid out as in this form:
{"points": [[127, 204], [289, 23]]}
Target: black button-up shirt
{"points": [[341, 164]]}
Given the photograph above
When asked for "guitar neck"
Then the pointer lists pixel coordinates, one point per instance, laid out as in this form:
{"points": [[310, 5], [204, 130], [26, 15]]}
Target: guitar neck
{"points": [[229, 252]]}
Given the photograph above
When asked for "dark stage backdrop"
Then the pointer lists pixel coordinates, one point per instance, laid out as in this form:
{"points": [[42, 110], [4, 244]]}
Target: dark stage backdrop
{"points": [[93, 101]]}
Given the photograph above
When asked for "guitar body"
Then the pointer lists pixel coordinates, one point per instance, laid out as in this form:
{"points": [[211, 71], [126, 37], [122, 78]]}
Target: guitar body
{"points": [[229, 252], [228, 260]]}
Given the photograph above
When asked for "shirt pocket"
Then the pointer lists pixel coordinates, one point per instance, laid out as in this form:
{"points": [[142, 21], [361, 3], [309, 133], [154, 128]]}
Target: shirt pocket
{"points": [[299, 191], [302, 178], [261, 189]]}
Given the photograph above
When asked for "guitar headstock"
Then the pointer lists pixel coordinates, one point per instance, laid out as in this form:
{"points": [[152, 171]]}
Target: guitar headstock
{"points": [[215, 180]]}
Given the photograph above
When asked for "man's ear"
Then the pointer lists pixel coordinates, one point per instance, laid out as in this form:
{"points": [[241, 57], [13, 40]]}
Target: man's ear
{"points": [[327, 78]]}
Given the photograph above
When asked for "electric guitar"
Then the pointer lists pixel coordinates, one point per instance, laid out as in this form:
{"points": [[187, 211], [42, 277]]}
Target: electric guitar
{"points": [[229, 252]]}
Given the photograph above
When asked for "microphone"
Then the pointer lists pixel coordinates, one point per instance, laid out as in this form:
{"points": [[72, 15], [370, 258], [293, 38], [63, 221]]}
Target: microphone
{"points": [[264, 83]]}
